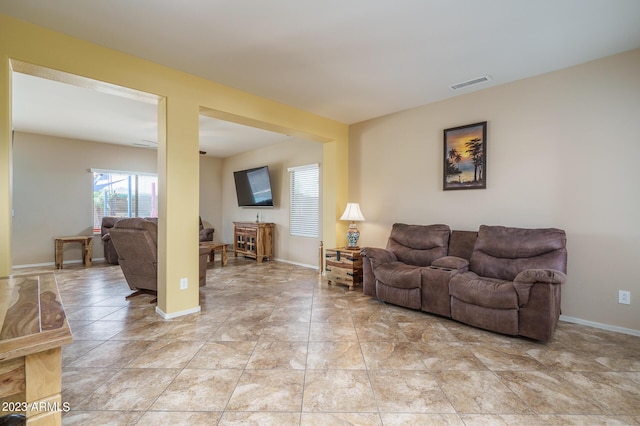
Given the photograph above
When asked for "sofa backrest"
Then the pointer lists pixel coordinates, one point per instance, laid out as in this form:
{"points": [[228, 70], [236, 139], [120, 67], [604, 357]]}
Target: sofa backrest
{"points": [[136, 241], [107, 223], [418, 245], [461, 243], [502, 252]]}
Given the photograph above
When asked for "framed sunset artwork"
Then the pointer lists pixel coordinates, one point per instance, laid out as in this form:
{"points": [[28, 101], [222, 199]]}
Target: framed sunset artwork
{"points": [[465, 157]]}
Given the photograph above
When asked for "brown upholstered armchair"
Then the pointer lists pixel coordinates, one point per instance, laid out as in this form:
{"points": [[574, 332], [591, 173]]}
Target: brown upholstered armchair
{"points": [[206, 234], [136, 242], [108, 222], [110, 254]]}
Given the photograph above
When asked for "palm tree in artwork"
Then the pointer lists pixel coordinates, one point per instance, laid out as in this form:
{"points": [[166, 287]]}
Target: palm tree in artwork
{"points": [[454, 157], [475, 151]]}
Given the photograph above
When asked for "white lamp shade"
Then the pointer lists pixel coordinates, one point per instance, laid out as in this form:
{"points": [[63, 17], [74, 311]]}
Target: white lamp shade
{"points": [[352, 212]]}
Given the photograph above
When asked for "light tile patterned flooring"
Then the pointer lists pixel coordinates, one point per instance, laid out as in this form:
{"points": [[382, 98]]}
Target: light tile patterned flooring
{"points": [[275, 344]]}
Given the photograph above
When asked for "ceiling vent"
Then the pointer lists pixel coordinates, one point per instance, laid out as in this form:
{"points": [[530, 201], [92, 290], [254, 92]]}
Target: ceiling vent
{"points": [[468, 83]]}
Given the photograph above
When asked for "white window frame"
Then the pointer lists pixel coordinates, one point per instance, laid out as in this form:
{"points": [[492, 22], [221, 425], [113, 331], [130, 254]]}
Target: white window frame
{"points": [[304, 201], [97, 219]]}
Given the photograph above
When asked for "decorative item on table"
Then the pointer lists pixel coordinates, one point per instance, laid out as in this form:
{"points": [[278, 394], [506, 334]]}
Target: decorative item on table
{"points": [[352, 213]]}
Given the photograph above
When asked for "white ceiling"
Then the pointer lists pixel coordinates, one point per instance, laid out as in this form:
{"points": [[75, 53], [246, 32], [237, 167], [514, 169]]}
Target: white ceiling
{"points": [[349, 60], [55, 108]]}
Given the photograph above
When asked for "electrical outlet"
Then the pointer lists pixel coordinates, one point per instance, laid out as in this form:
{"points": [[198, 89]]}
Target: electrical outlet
{"points": [[184, 282], [624, 297]]}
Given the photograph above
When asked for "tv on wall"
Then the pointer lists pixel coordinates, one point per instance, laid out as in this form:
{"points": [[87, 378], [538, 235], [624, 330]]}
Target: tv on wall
{"points": [[253, 187]]}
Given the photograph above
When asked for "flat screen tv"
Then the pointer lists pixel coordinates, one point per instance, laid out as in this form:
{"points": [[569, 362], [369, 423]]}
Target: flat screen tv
{"points": [[253, 187]]}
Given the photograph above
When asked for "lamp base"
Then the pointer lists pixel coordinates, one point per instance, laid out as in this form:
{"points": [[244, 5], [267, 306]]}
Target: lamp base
{"points": [[352, 236]]}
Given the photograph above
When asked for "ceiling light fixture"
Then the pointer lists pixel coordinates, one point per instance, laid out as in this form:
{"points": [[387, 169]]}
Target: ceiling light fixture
{"points": [[472, 82]]}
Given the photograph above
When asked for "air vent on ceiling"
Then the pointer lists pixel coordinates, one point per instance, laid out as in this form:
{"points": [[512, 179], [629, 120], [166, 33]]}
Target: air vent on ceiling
{"points": [[470, 82]]}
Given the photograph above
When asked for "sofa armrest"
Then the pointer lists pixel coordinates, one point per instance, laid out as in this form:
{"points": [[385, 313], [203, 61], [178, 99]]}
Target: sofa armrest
{"points": [[371, 259], [452, 263], [206, 234], [378, 256], [106, 237], [527, 278]]}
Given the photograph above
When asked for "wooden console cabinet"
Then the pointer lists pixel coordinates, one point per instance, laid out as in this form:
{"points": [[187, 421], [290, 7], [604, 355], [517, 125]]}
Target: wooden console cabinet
{"points": [[253, 239]]}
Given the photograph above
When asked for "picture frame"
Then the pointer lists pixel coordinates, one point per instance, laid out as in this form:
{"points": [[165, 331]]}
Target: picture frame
{"points": [[465, 157]]}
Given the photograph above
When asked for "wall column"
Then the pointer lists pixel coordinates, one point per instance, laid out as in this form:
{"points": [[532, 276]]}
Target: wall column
{"points": [[178, 205], [335, 191], [5, 167]]}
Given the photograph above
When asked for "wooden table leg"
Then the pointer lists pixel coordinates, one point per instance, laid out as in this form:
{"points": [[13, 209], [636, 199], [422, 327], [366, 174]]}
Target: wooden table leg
{"points": [[87, 249], [59, 244], [224, 255]]}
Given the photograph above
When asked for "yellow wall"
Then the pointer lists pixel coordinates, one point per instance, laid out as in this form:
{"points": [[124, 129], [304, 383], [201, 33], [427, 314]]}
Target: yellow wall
{"points": [[5, 165], [182, 97]]}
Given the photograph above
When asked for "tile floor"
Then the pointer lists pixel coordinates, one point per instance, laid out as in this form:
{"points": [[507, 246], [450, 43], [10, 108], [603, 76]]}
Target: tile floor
{"points": [[275, 344]]}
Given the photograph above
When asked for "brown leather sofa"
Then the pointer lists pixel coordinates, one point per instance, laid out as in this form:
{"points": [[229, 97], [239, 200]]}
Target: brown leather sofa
{"points": [[136, 242], [502, 279]]}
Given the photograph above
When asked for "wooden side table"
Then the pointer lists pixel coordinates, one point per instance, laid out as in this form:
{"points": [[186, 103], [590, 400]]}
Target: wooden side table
{"points": [[33, 329], [87, 248], [213, 246], [344, 266]]}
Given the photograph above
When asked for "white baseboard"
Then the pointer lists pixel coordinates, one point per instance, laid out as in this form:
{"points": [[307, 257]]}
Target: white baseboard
{"points": [[600, 325], [177, 314], [66, 262], [304, 265], [38, 265]]}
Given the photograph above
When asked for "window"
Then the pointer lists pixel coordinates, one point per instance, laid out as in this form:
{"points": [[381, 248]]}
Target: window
{"points": [[304, 201], [123, 194]]}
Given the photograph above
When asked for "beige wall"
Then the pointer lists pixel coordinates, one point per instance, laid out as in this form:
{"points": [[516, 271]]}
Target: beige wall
{"points": [[563, 151], [51, 174], [279, 158], [211, 194]]}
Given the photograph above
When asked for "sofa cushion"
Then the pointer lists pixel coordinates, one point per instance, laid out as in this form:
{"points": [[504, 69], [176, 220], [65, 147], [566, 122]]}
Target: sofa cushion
{"points": [[502, 252], [399, 275], [418, 245], [482, 291]]}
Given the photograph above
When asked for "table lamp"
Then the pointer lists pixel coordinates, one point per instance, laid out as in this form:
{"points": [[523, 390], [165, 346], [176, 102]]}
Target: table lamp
{"points": [[352, 213]]}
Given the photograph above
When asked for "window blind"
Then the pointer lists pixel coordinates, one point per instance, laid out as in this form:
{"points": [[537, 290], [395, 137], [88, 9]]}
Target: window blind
{"points": [[304, 201]]}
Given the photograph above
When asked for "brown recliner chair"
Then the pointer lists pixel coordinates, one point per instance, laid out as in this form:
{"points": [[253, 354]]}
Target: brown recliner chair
{"points": [[136, 242], [513, 285], [110, 254], [398, 268], [108, 222], [206, 234]]}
